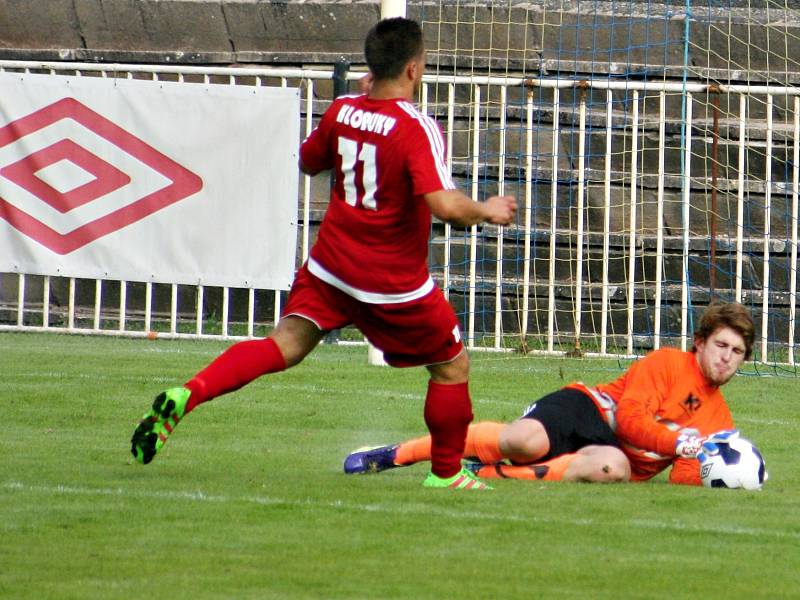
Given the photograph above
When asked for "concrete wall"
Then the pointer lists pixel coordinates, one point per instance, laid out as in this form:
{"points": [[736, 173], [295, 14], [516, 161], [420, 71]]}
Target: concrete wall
{"points": [[562, 35], [184, 31], [545, 37]]}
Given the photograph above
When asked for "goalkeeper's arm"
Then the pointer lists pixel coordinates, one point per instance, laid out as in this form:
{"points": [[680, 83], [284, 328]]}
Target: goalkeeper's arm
{"points": [[685, 471]]}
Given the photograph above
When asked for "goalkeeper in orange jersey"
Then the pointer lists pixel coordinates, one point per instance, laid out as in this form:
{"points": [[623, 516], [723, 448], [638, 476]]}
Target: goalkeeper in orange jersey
{"points": [[658, 414]]}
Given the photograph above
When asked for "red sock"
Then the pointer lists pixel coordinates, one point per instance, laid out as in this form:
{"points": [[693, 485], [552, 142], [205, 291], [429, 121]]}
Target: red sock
{"points": [[448, 413], [237, 366]]}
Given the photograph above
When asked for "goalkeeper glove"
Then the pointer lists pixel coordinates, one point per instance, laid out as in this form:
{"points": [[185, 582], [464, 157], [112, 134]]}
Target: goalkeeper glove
{"points": [[710, 448], [689, 446]]}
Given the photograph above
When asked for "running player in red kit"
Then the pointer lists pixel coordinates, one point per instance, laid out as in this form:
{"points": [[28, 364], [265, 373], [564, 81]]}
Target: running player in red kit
{"points": [[369, 264], [657, 415]]}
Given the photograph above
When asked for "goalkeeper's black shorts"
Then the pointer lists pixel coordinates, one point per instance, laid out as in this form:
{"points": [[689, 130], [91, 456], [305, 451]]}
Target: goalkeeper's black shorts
{"points": [[571, 421]]}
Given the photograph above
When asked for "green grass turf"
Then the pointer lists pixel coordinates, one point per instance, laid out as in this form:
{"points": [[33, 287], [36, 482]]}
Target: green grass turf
{"points": [[248, 500]]}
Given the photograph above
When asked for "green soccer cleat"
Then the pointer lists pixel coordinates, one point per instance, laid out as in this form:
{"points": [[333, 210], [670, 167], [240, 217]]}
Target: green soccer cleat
{"points": [[464, 480], [158, 423]]}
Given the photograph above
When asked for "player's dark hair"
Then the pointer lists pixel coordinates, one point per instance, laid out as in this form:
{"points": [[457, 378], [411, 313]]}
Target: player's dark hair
{"points": [[728, 314], [390, 45]]}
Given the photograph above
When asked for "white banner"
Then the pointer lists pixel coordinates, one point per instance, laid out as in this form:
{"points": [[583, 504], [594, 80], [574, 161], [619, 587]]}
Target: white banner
{"points": [[156, 181]]}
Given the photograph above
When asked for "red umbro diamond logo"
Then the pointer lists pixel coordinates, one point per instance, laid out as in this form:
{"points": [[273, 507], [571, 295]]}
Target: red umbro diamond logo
{"points": [[92, 179]]}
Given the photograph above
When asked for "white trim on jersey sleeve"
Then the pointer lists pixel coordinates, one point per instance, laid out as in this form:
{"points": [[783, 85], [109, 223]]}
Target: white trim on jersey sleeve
{"points": [[436, 141], [322, 273]]}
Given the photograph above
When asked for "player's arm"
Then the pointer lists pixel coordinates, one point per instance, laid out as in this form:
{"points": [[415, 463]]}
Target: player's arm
{"points": [[685, 471], [456, 208], [306, 170], [647, 385], [316, 154], [427, 168]]}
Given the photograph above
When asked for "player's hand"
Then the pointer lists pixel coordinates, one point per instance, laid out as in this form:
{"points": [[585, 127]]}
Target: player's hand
{"points": [[689, 446], [501, 209]]}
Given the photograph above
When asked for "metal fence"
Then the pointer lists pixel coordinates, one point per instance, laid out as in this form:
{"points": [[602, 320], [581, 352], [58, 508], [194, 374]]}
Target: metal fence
{"points": [[640, 202]]}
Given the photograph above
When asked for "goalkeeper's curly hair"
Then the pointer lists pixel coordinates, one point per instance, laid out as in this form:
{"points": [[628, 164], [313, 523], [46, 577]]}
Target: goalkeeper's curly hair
{"points": [[728, 314]]}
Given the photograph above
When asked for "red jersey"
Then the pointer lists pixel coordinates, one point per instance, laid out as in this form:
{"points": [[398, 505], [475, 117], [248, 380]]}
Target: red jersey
{"points": [[373, 241], [659, 397]]}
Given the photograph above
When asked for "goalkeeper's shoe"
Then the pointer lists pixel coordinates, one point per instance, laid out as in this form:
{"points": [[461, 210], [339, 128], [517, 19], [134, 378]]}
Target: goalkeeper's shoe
{"points": [[371, 460], [473, 466], [479, 469], [158, 423], [464, 480]]}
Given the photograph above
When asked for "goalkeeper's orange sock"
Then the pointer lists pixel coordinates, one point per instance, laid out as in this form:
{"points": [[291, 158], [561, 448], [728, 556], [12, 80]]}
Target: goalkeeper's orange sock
{"points": [[237, 366], [482, 442], [551, 470], [413, 451]]}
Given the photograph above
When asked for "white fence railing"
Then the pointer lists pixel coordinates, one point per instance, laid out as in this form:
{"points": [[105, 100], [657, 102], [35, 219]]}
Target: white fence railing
{"points": [[94, 319], [613, 180]]}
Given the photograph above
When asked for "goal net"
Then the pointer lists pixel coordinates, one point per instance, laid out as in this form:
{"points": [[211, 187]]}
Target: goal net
{"points": [[653, 149]]}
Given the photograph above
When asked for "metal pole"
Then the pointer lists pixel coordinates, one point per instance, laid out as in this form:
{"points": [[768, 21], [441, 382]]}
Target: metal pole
{"points": [[389, 8], [393, 8], [712, 267], [340, 83], [340, 87]]}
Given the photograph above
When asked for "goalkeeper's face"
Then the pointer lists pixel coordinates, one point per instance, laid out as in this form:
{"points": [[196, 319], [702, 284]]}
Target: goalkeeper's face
{"points": [[720, 355]]}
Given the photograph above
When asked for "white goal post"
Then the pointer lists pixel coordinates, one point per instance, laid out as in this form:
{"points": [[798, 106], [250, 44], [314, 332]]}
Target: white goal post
{"points": [[389, 9]]}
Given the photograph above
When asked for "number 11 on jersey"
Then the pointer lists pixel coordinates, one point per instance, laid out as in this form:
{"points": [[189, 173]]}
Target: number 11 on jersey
{"points": [[348, 150]]}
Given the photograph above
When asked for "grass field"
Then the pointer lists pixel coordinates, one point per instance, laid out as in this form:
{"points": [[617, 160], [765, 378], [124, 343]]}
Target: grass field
{"points": [[248, 499]]}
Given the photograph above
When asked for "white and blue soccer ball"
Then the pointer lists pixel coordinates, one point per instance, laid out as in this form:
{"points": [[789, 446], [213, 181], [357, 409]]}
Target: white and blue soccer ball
{"points": [[737, 464]]}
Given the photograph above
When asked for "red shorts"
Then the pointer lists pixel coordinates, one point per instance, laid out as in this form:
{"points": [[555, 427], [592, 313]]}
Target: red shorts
{"points": [[411, 334]]}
